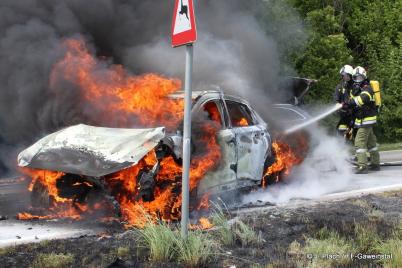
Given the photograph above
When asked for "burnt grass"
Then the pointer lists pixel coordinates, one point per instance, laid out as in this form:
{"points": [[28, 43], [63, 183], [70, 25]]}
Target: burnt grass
{"points": [[278, 226]]}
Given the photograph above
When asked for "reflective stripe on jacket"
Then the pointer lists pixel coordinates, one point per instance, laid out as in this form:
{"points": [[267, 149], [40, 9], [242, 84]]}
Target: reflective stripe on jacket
{"points": [[366, 111]]}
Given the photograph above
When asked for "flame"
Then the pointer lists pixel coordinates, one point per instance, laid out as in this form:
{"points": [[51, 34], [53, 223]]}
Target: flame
{"points": [[286, 156], [45, 177], [243, 122], [205, 223], [167, 202], [115, 97], [204, 202]]}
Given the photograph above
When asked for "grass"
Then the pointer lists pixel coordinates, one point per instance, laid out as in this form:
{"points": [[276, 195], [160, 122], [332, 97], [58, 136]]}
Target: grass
{"points": [[228, 233], [390, 146], [160, 240], [165, 244], [327, 242], [123, 252], [246, 234], [53, 260], [365, 240], [197, 250], [7, 250], [224, 229]]}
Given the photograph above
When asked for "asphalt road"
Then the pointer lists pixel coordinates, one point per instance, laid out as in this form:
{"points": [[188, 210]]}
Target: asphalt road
{"points": [[15, 197]]}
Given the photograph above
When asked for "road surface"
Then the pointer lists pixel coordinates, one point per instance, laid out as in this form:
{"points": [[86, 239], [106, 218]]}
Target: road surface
{"points": [[15, 197]]}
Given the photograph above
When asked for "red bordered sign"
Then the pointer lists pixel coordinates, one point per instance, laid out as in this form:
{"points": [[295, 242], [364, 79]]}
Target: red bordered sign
{"points": [[183, 27]]}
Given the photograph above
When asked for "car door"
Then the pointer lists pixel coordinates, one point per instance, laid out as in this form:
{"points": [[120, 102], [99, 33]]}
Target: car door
{"points": [[224, 177], [251, 143]]}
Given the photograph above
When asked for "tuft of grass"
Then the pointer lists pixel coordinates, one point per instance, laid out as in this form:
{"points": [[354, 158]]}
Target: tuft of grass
{"points": [[327, 242], [165, 244], [160, 240], [220, 221], [53, 260], [197, 250], [366, 238], [123, 252], [246, 234], [229, 233], [7, 250], [392, 246]]}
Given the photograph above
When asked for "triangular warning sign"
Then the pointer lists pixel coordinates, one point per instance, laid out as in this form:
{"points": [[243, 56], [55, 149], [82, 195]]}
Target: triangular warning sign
{"points": [[183, 27]]}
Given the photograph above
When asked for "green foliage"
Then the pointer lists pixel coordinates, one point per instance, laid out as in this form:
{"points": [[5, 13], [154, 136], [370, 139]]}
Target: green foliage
{"points": [[357, 32]]}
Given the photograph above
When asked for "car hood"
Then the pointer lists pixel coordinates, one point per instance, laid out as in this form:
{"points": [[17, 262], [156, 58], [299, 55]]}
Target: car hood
{"points": [[91, 151]]}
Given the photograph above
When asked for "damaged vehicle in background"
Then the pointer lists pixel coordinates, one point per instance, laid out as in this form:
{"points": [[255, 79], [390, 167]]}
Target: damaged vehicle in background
{"points": [[85, 159]]}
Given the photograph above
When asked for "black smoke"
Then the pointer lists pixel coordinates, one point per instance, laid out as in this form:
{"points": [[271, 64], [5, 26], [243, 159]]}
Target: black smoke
{"points": [[233, 52]]}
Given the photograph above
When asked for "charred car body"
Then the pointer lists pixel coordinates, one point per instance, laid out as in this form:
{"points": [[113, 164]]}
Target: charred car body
{"points": [[87, 154]]}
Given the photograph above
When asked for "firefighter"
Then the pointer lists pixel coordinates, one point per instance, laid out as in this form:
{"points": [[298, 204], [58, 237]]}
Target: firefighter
{"points": [[342, 95], [365, 113]]}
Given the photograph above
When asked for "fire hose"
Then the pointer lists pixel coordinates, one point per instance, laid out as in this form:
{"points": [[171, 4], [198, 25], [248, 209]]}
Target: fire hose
{"points": [[313, 120]]}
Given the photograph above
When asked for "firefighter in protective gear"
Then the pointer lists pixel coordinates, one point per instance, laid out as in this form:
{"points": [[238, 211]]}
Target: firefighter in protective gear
{"points": [[365, 112], [342, 95]]}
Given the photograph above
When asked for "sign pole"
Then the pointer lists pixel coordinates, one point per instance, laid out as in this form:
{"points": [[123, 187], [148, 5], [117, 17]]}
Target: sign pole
{"points": [[186, 141]]}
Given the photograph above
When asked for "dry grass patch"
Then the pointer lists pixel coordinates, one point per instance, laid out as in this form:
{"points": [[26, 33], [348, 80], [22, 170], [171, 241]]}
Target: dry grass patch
{"points": [[53, 260]]}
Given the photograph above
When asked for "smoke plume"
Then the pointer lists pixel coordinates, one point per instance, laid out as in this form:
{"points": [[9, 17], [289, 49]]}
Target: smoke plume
{"points": [[324, 171], [233, 52]]}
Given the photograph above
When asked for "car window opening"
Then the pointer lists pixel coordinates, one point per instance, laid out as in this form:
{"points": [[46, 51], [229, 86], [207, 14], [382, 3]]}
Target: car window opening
{"points": [[240, 115], [213, 112]]}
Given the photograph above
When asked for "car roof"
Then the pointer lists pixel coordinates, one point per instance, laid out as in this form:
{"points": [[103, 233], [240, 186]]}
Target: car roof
{"points": [[292, 107], [196, 94]]}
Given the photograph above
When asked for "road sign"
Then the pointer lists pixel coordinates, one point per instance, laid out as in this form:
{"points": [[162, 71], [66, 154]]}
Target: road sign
{"points": [[183, 27], [184, 33]]}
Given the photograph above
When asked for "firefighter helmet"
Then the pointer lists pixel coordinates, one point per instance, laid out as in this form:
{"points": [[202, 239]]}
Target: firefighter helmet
{"points": [[346, 69], [359, 74]]}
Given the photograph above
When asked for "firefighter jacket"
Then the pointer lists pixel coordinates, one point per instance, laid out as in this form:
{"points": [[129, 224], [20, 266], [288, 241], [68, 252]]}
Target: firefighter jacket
{"points": [[342, 95], [342, 92], [365, 110]]}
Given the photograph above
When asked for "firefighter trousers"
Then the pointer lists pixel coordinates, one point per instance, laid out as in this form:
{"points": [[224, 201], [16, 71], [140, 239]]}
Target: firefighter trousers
{"points": [[366, 141]]}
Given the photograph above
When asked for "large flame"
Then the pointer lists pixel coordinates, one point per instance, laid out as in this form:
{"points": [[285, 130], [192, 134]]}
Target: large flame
{"points": [[287, 155], [119, 97], [127, 101]]}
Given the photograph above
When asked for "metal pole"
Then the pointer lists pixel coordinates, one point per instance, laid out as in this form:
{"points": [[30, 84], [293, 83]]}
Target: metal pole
{"points": [[186, 141]]}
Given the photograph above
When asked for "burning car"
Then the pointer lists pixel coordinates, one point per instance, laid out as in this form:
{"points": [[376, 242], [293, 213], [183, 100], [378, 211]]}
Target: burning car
{"points": [[82, 159], [85, 170]]}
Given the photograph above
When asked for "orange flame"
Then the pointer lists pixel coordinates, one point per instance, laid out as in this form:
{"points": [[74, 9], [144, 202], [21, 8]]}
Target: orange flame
{"points": [[118, 96], [243, 122], [125, 100], [286, 156]]}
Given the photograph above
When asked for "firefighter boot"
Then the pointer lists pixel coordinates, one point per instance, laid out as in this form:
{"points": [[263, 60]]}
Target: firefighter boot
{"points": [[361, 170], [362, 161], [375, 167]]}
